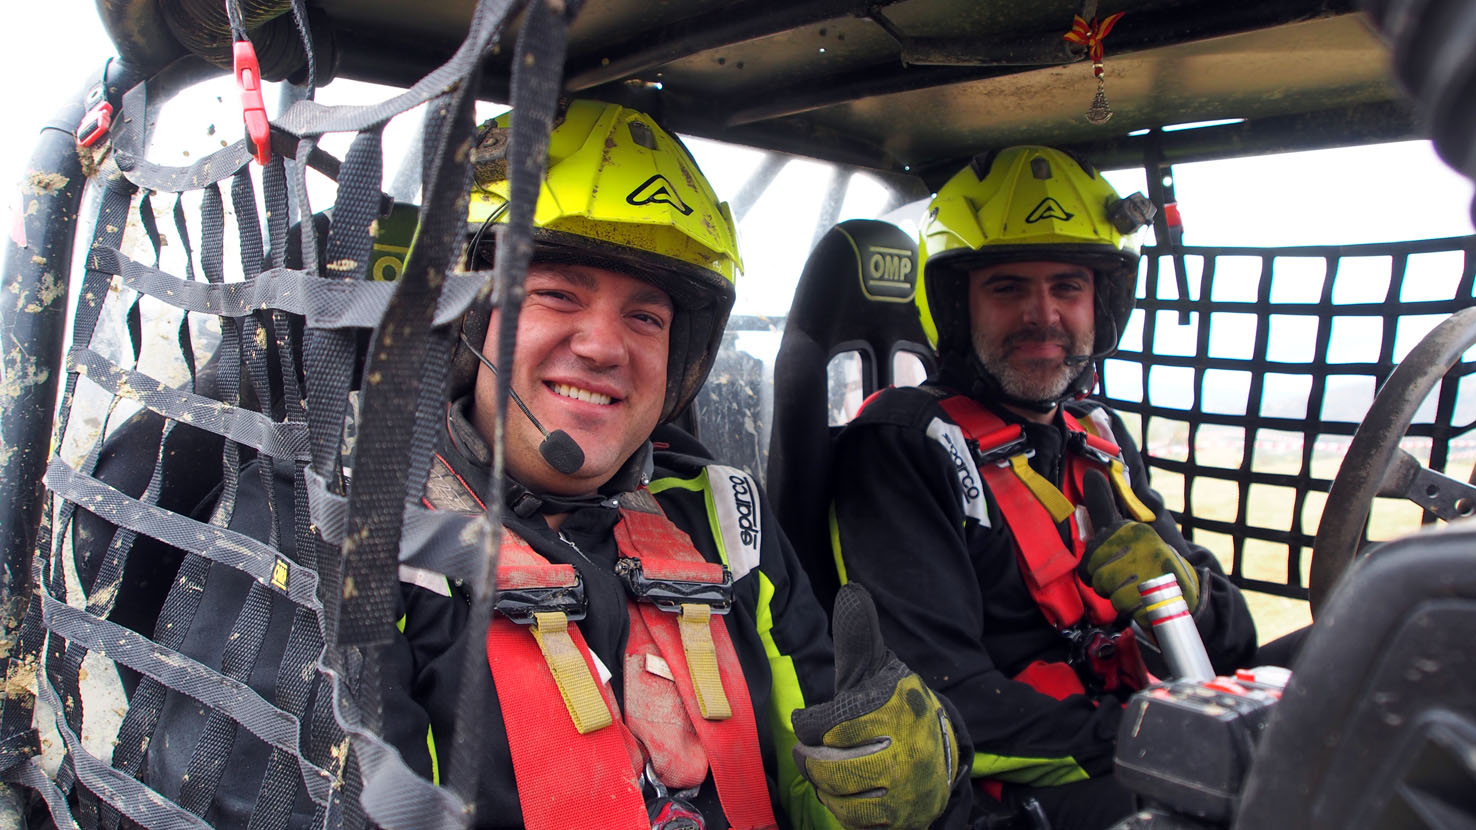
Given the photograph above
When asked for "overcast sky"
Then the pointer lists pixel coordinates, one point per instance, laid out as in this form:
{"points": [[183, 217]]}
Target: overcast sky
{"points": [[47, 50]]}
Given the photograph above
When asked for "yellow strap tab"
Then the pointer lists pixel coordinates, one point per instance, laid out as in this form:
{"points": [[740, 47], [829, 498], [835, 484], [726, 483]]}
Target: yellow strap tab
{"points": [[1136, 507], [1056, 504], [701, 654], [571, 674]]}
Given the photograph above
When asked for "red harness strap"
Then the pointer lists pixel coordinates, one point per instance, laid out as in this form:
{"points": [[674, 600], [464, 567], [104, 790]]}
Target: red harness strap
{"points": [[541, 734], [1049, 567], [664, 552], [549, 721]]}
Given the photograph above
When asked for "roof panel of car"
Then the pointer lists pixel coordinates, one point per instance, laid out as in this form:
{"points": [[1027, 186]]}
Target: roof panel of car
{"points": [[915, 85]]}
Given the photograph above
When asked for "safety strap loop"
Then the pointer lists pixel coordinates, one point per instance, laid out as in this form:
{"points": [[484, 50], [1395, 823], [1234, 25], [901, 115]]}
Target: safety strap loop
{"points": [[570, 673], [697, 647], [1050, 498]]}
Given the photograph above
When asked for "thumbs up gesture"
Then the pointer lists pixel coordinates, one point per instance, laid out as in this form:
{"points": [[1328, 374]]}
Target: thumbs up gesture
{"points": [[883, 752]]}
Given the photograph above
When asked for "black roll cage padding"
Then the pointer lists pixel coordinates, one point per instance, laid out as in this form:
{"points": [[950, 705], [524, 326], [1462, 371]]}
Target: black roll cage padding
{"points": [[35, 321]]}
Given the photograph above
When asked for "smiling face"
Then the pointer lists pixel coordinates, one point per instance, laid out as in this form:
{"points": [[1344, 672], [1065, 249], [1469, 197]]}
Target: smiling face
{"points": [[1027, 318], [590, 360]]}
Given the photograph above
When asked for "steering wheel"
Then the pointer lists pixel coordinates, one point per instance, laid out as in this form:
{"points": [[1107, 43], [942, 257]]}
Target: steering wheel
{"points": [[1376, 466]]}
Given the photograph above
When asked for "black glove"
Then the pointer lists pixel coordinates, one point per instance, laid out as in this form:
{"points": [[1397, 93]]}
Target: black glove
{"points": [[1123, 553], [883, 752]]}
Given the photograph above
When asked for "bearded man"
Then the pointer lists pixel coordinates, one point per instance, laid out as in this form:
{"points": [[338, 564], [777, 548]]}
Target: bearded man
{"points": [[964, 504]]}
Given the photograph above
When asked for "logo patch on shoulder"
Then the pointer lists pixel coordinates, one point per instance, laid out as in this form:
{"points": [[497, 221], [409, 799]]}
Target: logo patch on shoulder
{"points": [[970, 483], [1048, 209], [660, 191], [736, 502]]}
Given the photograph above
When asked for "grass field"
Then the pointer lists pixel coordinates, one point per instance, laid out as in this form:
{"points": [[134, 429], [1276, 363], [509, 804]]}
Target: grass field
{"points": [[1272, 507]]}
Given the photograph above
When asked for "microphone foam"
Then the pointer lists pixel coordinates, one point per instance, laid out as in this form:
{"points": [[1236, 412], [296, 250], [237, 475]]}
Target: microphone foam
{"points": [[561, 453]]}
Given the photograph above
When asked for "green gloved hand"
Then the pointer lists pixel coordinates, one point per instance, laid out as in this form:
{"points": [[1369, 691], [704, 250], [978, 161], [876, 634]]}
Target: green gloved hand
{"points": [[1122, 554], [883, 752]]}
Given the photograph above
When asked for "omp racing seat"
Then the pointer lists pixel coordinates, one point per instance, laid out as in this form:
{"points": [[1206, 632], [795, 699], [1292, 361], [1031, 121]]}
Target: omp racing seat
{"points": [[854, 295]]}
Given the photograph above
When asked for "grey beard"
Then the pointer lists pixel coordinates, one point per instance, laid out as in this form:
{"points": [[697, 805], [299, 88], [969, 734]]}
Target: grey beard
{"points": [[1045, 380]]}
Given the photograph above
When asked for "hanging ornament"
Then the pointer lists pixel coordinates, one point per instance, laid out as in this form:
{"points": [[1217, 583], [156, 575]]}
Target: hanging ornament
{"points": [[1091, 35]]}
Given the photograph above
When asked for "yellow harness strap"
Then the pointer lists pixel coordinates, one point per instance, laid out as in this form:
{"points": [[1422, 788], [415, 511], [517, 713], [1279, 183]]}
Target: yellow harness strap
{"points": [[1055, 503], [570, 672], [701, 655], [1130, 499], [1117, 473]]}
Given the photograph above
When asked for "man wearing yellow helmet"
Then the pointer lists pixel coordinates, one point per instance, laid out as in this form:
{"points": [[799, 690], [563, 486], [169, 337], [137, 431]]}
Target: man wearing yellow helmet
{"points": [[694, 635], [656, 656], [963, 504]]}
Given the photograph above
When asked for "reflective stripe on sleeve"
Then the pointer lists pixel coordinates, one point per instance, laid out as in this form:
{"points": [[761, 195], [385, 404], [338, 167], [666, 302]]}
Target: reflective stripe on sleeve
{"points": [[797, 795], [1033, 772]]}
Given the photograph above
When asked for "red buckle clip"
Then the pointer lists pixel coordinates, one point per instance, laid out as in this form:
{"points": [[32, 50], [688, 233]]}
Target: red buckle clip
{"points": [[95, 124], [1000, 444], [253, 108]]}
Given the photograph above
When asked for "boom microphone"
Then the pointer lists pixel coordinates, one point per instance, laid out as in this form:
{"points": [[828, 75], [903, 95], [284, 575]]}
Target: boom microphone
{"points": [[557, 447]]}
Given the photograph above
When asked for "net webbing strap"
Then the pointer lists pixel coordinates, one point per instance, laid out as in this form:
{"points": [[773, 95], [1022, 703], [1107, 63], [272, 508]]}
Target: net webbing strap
{"points": [[538, 58], [294, 682], [1340, 299], [128, 155], [393, 796], [283, 439], [325, 304], [326, 355], [204, 772], [391, 389], [381, 483], [434, 540]]}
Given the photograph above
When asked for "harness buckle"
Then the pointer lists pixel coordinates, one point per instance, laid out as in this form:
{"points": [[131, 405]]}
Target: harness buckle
{"points": [[1078, 443], [520, 604], [671, 594], [1088, 643], [671, 810], [1001, 453]]}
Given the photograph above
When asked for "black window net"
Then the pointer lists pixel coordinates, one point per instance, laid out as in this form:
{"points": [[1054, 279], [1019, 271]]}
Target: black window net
{"points": [[1247, 393], [251, 389]]}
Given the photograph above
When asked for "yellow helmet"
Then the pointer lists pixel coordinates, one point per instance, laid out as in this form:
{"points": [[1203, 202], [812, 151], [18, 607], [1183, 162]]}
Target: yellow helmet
{"points": [[1020, 204], [623, 193]]}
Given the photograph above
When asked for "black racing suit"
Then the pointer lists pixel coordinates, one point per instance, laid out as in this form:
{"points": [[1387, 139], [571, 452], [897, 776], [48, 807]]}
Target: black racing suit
{"points": [[779, 631], [952, 600]]}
